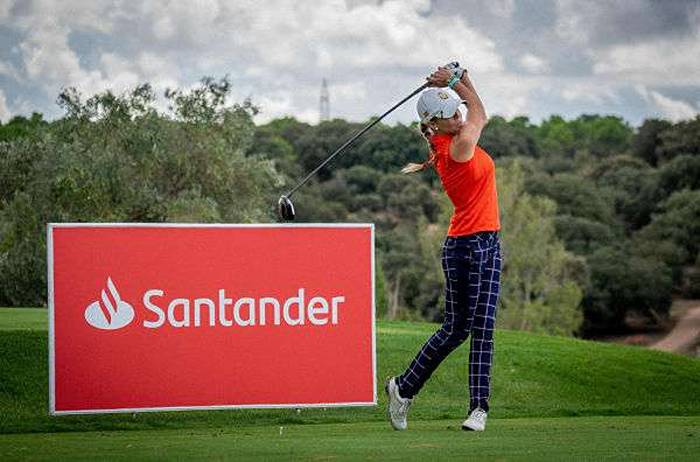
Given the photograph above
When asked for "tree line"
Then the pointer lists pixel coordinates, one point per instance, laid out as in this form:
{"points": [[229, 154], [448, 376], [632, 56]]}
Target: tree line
{"points": [[600, 220]]}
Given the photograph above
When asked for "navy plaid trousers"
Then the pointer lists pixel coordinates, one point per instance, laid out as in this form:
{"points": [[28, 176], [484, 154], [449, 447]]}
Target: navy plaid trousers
{"points": [[472, 267]]}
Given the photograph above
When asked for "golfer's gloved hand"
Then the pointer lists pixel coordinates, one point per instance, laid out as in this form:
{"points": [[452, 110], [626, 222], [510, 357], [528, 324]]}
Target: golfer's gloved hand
{"points": [[455, 68], [450, 72], [442, 77]]}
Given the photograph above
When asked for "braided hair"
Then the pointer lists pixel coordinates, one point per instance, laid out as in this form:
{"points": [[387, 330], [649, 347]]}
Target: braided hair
{"points": [[427, 133]]}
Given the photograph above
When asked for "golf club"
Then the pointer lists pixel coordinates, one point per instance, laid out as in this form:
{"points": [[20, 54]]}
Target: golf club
{"points": [[285, 207]]}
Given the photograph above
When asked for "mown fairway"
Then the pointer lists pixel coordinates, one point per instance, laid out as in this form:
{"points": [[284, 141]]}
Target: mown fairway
{"points": [[577, 438], [637, 404]]}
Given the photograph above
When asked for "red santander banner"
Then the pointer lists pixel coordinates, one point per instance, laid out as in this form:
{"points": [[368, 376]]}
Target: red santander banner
{"points": [[146, 317]]}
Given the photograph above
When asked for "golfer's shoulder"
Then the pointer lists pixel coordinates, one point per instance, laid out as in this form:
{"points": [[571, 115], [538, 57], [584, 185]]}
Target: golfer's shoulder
{"points": [[478, 150], [441, 142]]}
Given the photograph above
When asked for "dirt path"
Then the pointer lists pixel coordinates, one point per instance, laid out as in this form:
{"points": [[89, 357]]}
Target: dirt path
{"points": [[685, 337]]}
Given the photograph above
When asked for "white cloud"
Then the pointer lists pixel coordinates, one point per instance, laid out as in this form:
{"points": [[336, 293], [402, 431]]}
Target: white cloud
{"points": [[5, 6], [653, 63], [280, 51], [49, 61], [533, 64], [372, 52], [571, 21], [9, 70], [672, 109], [502, 8], [391, 34], [507, 94], [589, 91], [651, 60], [5, 114]]}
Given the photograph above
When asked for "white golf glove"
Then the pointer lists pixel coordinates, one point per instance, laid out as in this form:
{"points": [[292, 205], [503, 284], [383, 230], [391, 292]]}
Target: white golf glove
{"points": [[456, 69]]}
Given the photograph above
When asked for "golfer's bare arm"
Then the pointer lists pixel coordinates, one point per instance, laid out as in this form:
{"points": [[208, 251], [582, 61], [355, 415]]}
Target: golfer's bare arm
{"points": [[463, 144]]}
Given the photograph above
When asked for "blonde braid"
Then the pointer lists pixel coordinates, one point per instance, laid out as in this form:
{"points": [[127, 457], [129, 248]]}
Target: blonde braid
{"points": [[427, 133]]}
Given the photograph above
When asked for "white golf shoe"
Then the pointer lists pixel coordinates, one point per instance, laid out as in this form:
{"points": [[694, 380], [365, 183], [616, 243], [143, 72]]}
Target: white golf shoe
{"points": [[397, 408], [476, 421]]}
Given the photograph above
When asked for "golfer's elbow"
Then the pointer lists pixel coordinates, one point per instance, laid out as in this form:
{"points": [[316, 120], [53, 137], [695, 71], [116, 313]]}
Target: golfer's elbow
{"points": [[476, 115], [480, 117]]}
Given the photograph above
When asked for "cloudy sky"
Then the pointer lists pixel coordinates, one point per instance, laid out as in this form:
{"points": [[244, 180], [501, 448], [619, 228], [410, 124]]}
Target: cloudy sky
{"points": [[632, 58]]}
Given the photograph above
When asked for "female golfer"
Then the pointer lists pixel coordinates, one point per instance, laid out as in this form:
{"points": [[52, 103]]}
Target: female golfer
{"points": [[471, 258]]}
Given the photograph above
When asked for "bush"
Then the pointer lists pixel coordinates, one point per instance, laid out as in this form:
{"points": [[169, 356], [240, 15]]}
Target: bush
{"points": [[622, 282], [117, 159], [541, 288]]}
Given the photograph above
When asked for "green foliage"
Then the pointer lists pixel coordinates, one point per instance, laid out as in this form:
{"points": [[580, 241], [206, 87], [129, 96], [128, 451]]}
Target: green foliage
{"points": [[117, 159], [678, 222], [406, 197], [557, 138], [622, 282], [429, 296], [581, 235], [591, 183], [21, 127], [388, 149], [17, 161], [646, 144], [380, 295], [22, 253], [632, 186], [603, 136], [574, 195], [678, 139], [682, 172], [272, 145], [565, 146], [538, 291], [361, 179], [509, 138], [317, 143]]}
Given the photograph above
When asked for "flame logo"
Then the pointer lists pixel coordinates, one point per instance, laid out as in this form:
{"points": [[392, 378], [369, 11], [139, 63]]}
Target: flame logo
{"points": [[109, 315]]}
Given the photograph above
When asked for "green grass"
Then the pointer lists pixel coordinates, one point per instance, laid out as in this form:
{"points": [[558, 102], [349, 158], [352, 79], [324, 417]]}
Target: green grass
{"points": [[534, 377], [582, 438], [24, 319]]}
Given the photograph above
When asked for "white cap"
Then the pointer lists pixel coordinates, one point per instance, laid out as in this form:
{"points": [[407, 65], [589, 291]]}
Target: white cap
{"points": [[436, 102]]}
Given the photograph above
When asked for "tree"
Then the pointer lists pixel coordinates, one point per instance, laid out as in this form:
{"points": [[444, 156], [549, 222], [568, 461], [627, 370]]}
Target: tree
{"points": [[631, 184], [646, 142], [540, 291], [581, 235], [388, 149], [603, 136], [681, 138], [556, 137], [678, 222], [622, 282], [316, 144], [576, 196], [273, 146], [681, 172], [115, 158], [361, 179], [20, 126], [515, 138]]}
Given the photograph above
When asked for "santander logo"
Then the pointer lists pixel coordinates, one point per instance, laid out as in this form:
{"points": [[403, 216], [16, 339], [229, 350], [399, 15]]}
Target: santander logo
{"points": [[298, 309], [110, 314]]}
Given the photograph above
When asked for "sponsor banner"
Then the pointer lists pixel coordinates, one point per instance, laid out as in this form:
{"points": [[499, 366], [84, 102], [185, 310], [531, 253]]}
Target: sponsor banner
{"points": [[146, 317]]}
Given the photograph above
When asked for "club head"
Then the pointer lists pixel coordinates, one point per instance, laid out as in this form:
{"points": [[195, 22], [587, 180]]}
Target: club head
{"points": [[285, 208]]}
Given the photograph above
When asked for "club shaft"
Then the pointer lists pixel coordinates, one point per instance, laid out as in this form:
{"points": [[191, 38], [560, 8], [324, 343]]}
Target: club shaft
{"points": [[356, 136]]}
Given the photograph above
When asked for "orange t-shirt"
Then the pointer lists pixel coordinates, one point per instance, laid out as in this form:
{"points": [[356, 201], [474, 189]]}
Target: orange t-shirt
{"points": [[471, 186]]}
